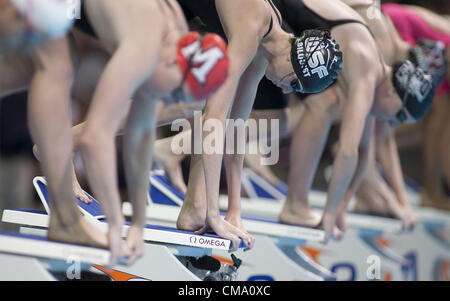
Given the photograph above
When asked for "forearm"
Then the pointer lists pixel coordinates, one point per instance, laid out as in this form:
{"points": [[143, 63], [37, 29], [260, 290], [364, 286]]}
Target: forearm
{"points": [[387, 155], [212, 163], [217, 113], [366, 156], [361, 168], [233, 166], [138, 143], [138, 151], [344, 168]]}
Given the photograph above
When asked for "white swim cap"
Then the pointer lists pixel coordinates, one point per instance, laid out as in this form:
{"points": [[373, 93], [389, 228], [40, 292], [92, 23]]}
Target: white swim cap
{"points": [[49, 17]]}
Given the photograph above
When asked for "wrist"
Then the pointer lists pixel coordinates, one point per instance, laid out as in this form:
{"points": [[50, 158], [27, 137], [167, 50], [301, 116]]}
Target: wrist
{"points": [[212, 215], [137, 225], [138, 222], [116, 221]]}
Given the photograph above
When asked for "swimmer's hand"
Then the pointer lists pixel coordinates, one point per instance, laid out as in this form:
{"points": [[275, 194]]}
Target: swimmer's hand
{"points": [[115, 243], [226, 230], [134, 245]]}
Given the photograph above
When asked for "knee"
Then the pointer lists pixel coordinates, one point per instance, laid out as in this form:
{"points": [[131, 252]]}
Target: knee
{"points": [[331, 102], [90, 140], [326, 102]]}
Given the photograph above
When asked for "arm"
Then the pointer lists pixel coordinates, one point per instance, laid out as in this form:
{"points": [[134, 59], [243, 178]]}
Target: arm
{"points": [[244, 41], [365, 153], [137, 156], [387, 155], [361, 91], [242, 107]]}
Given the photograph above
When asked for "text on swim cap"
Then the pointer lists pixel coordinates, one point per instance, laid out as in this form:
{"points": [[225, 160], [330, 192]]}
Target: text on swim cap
{"points": [[316, 63], [204, 61]]}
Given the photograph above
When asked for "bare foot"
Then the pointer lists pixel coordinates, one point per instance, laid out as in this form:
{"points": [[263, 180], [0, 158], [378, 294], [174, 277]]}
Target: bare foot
{"points": [[383, 202], [191, 218], [236, 221], [170, 162], [304, 216], [369, 202], [79, 192], [134, 245], [82, 233], [435, 201]]}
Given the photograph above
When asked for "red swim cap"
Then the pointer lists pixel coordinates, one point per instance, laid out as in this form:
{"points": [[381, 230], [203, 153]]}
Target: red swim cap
{"points": [[204, 63]]}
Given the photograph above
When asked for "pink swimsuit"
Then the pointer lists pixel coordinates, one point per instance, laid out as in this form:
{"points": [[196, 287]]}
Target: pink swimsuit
{"points": [[412, 28]]}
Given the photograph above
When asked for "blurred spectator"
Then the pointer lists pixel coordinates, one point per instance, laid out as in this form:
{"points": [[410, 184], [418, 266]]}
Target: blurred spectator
{"points": [[440, 6]]}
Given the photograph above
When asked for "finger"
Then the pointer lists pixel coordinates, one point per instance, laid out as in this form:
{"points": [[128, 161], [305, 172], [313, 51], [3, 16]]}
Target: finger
{"points": [[251, 242], [136, 251], [248, 241], [113, 259], [125, 255], [338, 234], [235, 242], [246, 238], [326, 237], [132, 257]]}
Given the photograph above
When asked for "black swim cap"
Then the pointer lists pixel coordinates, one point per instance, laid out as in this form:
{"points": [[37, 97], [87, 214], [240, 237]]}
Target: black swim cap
{"points": [[415, 87], [316, 60]]}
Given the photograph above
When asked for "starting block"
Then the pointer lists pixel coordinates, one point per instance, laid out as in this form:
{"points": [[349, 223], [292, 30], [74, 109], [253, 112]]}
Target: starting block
{"points": [[30, 257], [164, 257], [265, 260], [257, 188], [426, 248]]}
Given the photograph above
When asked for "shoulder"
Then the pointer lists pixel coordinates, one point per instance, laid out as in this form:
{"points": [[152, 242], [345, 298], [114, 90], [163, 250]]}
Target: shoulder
{"points": [[246, 16], [361, 51]]}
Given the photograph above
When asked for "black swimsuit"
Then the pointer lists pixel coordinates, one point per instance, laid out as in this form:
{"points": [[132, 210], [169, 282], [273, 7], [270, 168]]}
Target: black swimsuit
{"points": [[83, 24], [301, 17], [271, 19], [202, 15]]}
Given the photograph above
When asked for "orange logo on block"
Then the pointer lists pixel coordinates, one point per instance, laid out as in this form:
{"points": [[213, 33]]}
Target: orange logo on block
{"points": [[117, 275], [387, 277], [313, 253], [381, 242], [444, 271], [224, 260]]}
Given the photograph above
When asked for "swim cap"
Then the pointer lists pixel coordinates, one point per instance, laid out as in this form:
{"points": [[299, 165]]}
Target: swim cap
{"points": [[49, 17], [204, 63], [415, 87], [430, 56], [316, 60]]}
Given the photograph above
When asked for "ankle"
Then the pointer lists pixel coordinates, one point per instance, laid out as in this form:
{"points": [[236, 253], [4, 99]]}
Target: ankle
{"points": [[297, 206]]}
